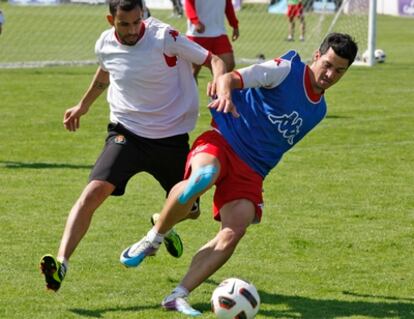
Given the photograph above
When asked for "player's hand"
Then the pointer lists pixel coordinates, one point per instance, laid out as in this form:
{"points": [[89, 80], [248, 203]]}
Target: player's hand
{"points": [[212, 89], [236, 34], [220, 92], [71, 118], [224, 104], [200, 27]]}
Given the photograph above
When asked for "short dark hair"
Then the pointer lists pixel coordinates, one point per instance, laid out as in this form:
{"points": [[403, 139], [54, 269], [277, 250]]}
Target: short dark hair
{"points": [[342, 44], [125, 5]]}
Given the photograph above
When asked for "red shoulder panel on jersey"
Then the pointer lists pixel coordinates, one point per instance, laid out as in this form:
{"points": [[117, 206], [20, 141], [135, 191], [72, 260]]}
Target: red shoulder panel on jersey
{"points": [[174, 34], [170, 60], [278, 61]]}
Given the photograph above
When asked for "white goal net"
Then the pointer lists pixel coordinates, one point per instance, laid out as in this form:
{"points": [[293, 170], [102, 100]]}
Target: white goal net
{"points": [[65, 33]]}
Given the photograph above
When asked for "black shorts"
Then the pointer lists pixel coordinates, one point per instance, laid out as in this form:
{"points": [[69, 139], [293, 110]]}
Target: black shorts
{"points": [[126, 154]]}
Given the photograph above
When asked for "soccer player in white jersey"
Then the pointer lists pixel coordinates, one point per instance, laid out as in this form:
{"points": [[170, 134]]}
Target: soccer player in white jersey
{"points": [[260, 113], [206, 26], [153, 100]]}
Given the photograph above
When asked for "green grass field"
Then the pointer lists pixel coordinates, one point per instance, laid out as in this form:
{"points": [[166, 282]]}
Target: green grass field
{"points": [[337, 237]]}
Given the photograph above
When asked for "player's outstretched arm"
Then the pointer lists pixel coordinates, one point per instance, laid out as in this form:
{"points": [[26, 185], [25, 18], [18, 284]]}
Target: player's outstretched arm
{"points": [[71, 118], [218, 68]]}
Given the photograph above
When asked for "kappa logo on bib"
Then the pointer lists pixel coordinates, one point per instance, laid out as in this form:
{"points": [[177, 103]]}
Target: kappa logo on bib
{"points": [[120, 139]]}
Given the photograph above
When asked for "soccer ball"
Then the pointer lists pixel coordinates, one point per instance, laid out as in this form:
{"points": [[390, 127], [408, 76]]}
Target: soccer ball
{"points": [[235, 299], [379, 56]]}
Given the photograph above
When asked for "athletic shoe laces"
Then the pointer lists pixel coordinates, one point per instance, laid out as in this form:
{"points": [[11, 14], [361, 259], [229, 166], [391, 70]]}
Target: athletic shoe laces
{"points": [[143, 247]]}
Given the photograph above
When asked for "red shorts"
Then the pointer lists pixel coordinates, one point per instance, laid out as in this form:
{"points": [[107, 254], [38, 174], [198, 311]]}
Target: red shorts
{"points": [[217, 45], [295, 10], [236, 181]]}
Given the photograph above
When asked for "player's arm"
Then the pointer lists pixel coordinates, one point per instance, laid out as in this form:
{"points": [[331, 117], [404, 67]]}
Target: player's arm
{"points": [[71, 118], [178, 45], [232, 19], [268, 74], [190, 10], [181, 46], [218, 68]]}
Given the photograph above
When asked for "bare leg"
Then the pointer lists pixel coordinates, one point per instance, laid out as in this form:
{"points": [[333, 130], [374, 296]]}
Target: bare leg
{"points": [[205, 170], [236, 217], [80, 216], [173, 211], [302, 27], [291, 28]]}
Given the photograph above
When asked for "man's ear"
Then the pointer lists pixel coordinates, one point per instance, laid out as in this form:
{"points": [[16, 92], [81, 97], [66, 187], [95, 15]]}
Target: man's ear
{"points": [[316, 55], [110, 19]]}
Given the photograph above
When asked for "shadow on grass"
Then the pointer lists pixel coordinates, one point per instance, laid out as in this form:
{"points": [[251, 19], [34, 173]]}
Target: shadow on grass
{"points": [[350, 293], [308, 308], [297, 307], [99, 313], [31, 165], [338, 117]]}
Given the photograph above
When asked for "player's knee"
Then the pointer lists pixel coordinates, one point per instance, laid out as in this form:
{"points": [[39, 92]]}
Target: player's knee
{"points": [[200, 180], [97, 191], [230, 237]]}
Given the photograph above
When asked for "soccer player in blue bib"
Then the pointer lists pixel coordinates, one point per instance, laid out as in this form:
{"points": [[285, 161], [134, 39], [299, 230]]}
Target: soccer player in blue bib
{"points": [[259, 113]]}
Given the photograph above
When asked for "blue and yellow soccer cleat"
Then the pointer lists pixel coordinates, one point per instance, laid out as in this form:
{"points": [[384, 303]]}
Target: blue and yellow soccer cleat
{"points": [[172, 240], [54, 272]]}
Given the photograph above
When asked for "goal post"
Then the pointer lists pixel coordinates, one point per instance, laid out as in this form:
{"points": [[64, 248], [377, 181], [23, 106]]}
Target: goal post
{"points": [[372, 32], [65, 33], [320, 18]]}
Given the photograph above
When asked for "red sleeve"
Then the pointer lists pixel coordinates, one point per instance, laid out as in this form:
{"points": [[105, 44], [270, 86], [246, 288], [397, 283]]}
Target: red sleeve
{"points": [[207, 61], [230, 14], [191, 12], [241, 78]]}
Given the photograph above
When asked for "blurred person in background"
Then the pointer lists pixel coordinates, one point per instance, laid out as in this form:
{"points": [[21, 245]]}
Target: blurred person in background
{"points": [[206, 26], [147, 12], [1, 21], [178, 10], [295, 11]]}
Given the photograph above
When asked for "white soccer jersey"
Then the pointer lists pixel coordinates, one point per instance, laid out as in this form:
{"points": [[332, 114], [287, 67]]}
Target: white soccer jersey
{"points": [[211, 13], [152, 91]]}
